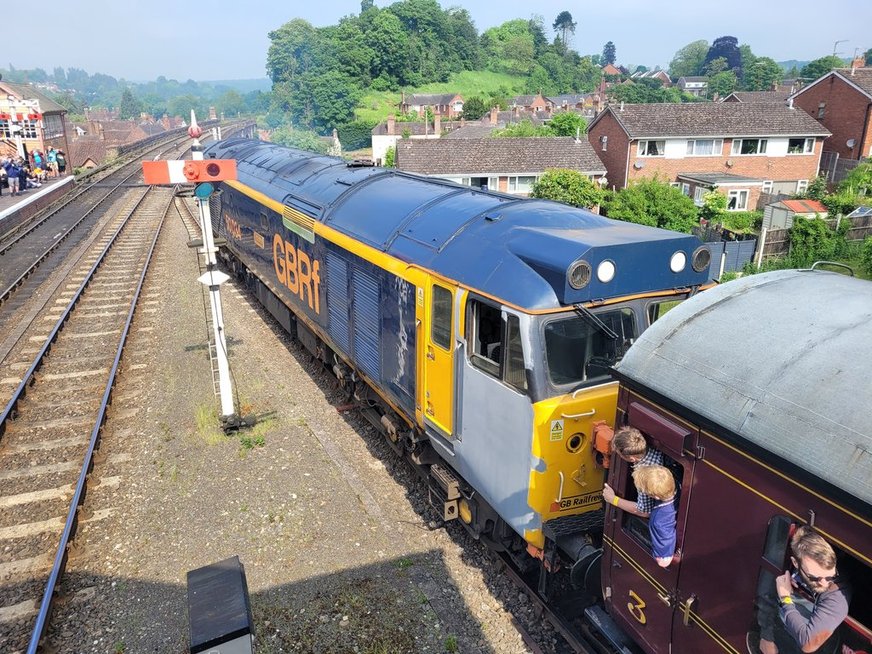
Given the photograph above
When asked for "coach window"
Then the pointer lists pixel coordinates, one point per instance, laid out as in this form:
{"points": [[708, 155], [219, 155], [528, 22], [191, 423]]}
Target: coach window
{"points": [[856, 630], [441, 327], [636, 527]]}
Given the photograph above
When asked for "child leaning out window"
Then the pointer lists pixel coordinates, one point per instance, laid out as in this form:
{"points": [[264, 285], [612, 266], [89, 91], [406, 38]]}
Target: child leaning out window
{"points": [[657, 481]]}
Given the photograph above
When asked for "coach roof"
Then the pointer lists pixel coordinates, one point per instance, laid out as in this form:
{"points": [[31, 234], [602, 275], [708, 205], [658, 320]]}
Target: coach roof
{"points": [[796, 383]]}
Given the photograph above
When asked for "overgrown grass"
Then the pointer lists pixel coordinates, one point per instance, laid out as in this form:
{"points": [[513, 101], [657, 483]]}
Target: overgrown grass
{"points": [[208, 428], [377, 106]]}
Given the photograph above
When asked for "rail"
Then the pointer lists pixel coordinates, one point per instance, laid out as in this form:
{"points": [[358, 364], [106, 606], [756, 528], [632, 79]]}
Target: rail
{"points": [[79, 494]]}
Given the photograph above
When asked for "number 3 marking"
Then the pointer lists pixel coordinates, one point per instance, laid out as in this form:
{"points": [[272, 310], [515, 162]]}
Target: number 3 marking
{"points": [[635, 609]]}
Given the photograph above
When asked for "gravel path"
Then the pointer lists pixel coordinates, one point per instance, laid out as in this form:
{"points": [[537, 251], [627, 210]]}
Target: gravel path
{"points": [[332, 529]]}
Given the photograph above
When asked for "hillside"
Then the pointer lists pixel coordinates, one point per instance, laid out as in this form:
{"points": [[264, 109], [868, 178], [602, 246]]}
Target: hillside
{"points": [[376, 106]]}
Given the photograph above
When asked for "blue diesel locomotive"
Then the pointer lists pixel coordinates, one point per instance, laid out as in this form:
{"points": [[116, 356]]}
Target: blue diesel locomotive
{"points": [[475, 329]]}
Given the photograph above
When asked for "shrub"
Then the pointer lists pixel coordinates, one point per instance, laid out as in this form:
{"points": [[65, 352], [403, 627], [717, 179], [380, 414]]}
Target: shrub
{"points": [[742, 221], [569, 187], [811, 239], [866, 256]]}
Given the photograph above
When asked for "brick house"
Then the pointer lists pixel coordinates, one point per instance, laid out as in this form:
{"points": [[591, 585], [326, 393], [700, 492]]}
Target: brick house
{"points": [[532, 103], [741, 149], [509, 165], [446, 104], [38, 120], [386, 135], [842, 101]]}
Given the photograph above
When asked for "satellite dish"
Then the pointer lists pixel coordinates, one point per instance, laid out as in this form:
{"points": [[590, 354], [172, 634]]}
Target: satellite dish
{"points": [[851, 143], [638, 165]]}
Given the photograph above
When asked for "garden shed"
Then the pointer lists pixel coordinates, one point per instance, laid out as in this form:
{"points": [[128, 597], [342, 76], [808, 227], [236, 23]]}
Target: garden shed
{"points": [[780, 215]]}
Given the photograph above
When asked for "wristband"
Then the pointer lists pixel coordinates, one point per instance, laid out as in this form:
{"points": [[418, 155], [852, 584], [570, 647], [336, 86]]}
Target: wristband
{"points": [[615, 500], [786, 600]]}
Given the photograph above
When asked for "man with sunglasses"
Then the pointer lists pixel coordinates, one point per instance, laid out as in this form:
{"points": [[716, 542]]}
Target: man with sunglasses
{"points": [[812, 600]]}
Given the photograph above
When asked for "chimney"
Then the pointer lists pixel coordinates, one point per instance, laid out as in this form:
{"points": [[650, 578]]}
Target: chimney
{"points": [[858, 62], [437, 123], [392, 121], [493, 115]]}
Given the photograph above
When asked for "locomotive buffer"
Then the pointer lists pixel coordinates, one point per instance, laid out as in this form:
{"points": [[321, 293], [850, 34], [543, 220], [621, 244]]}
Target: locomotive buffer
{"points": [[203, 174]]}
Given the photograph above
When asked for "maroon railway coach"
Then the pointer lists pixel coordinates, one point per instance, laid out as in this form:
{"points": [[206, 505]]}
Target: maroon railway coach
{"points": [[759, 392]]}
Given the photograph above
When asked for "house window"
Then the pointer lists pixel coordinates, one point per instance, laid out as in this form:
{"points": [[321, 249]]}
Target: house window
{"points": [[28, 129], [685, 188], [704, 147], [698, 194], [4, 129], [767, 186], [822, 107], [675, 184], [521, 184], [53, 126], [605, 142], [801, 185], [749, 146], [737, 201], [652, 148], [800, 146]]}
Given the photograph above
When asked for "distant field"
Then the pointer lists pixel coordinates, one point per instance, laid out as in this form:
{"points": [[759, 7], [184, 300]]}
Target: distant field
{"points": [[377, 106]]}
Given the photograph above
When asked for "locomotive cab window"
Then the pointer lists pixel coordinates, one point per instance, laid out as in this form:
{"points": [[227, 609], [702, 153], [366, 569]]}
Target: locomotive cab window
{"points": [[495, 343], [855, 632], [583, 347], [656, 310]]}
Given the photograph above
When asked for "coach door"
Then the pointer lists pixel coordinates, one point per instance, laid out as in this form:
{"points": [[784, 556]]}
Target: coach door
{"points": [[644, 596], [438, 396]]}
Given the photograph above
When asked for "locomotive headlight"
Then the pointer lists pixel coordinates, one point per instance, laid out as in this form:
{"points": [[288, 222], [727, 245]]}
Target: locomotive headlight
{"points": [[678, 262], [701, 258], [579, 275], [605, 272]]}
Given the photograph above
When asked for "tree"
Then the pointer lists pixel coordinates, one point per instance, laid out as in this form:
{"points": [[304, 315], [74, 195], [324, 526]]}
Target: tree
{"points": [[569, 187], [722, 83], [564, 24], [760, 74], [390, 157], [474, 108], [608, 56], [567, 123], [868, 57], [231, 104], [129, 106], [822, 66], [655, 203], [291, 51], [728, 48], [689, 60], [509, 47], [524, 128], [299, 138], [714, 207]]}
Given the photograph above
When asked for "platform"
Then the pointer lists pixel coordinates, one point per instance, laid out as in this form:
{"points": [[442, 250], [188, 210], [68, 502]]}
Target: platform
{"points": [[15, 209]]}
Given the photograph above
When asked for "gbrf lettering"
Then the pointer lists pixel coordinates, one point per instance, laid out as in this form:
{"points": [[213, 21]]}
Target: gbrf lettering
{"points": [[295, 270]]}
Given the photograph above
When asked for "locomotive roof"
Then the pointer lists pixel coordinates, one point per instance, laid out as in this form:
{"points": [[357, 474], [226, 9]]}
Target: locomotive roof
{"points": [[780, 359], [513, 248]]}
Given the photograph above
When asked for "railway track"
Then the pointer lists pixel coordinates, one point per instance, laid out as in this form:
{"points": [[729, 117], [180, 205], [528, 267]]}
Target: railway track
{"points": [[29, 253], [50, 429]]}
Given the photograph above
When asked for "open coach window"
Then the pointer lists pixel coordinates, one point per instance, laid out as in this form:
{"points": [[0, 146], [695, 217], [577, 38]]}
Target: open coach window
{"points": [[495, 344], [582, 347], [856, 631]]}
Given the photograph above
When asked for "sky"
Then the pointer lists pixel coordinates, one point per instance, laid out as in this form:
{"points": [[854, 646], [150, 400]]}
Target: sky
{"points": [[224, 39]]}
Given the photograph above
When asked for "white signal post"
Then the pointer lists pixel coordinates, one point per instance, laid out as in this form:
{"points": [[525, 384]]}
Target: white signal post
{"points": [[203, 173], [213, 278]]}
